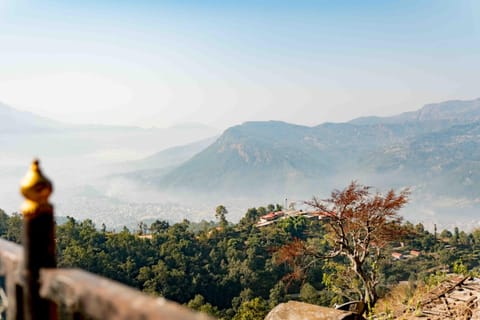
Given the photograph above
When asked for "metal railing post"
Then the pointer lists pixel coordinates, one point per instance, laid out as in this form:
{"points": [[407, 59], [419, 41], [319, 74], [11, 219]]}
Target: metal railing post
{"points": [[38, 242]]}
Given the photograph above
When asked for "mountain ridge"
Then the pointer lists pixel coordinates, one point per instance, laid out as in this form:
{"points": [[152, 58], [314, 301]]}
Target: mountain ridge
{"points": [[13, 120], [27, 133], [434, 153], [465, 111]]}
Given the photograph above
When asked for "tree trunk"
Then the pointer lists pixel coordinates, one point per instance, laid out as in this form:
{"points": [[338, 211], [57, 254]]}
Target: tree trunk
{"points": [[370, 296]]}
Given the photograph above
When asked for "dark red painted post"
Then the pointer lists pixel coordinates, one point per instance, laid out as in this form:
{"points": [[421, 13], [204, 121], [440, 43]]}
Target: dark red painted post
{"points": [[38, 242]]}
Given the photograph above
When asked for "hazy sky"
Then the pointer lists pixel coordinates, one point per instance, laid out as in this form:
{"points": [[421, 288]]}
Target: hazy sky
{"points": [[160, 63]]}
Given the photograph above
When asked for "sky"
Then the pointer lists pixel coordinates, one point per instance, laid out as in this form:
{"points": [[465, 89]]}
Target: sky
{"points": [[221, 63]]}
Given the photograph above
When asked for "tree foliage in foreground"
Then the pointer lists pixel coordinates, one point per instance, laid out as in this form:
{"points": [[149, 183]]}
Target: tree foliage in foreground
{"points": [[359, 225], [241, 271]]}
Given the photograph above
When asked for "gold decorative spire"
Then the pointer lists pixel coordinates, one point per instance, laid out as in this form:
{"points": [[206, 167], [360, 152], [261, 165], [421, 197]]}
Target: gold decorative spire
{"points": [[36, 188]]}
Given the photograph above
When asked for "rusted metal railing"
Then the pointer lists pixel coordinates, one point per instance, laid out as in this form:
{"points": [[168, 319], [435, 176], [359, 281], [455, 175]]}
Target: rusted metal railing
{"points": [[34, 289]]}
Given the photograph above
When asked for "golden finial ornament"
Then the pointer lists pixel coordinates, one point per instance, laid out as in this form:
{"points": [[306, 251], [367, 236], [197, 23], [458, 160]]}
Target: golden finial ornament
{"points": [[36, 188]]}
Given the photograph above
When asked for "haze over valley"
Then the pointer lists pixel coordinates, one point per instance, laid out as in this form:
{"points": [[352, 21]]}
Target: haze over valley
{"points": [[124, 175]]}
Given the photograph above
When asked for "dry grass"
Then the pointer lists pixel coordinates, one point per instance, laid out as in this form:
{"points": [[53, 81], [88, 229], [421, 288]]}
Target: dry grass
{"points": [[401, 298], [403, 301]]}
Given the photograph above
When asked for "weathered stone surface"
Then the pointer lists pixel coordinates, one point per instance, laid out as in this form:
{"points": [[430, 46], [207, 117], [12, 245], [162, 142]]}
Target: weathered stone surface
{"points": [[294, 310]]}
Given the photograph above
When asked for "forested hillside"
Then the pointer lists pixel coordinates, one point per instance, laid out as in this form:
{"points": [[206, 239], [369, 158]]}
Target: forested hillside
{"points": [[234, 271]]}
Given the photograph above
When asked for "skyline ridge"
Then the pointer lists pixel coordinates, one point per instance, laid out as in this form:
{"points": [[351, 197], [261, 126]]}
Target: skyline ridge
{"points": [[357, 120]]}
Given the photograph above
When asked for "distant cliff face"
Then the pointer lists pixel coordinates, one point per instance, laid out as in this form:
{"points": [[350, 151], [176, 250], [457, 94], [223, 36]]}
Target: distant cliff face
{"points": [[438, 142], [277, 155]]}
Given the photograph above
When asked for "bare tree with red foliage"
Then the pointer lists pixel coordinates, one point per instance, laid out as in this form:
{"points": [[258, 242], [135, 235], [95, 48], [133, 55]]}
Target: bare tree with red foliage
{"points": [[360, 224]]}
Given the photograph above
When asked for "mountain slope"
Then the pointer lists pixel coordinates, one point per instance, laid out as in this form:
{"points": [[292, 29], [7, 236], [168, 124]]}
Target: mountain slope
{"points": [[244, 156], [446, 161], [424, 149], [163, 160], [12, 120], [173, 156], [277, 157]]}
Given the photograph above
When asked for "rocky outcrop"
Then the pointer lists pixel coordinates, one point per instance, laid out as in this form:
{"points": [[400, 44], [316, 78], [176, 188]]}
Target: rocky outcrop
{"points": [[294, 310]]}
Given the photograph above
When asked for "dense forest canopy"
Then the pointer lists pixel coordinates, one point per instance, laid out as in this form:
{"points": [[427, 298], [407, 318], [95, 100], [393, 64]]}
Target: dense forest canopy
{"points": [[235, 271]]}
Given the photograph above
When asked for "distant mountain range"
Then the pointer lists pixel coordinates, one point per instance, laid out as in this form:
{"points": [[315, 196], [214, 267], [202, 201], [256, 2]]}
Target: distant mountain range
{"points": [[29, 133], [79, 157], [435, 151], [451, 112], [168, 158], [280, 157], [12, 120]]}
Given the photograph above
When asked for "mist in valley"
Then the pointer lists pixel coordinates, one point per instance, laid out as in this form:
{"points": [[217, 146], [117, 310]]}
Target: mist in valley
{"points": [[89, 185], [82, 163], [120, 176]]}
